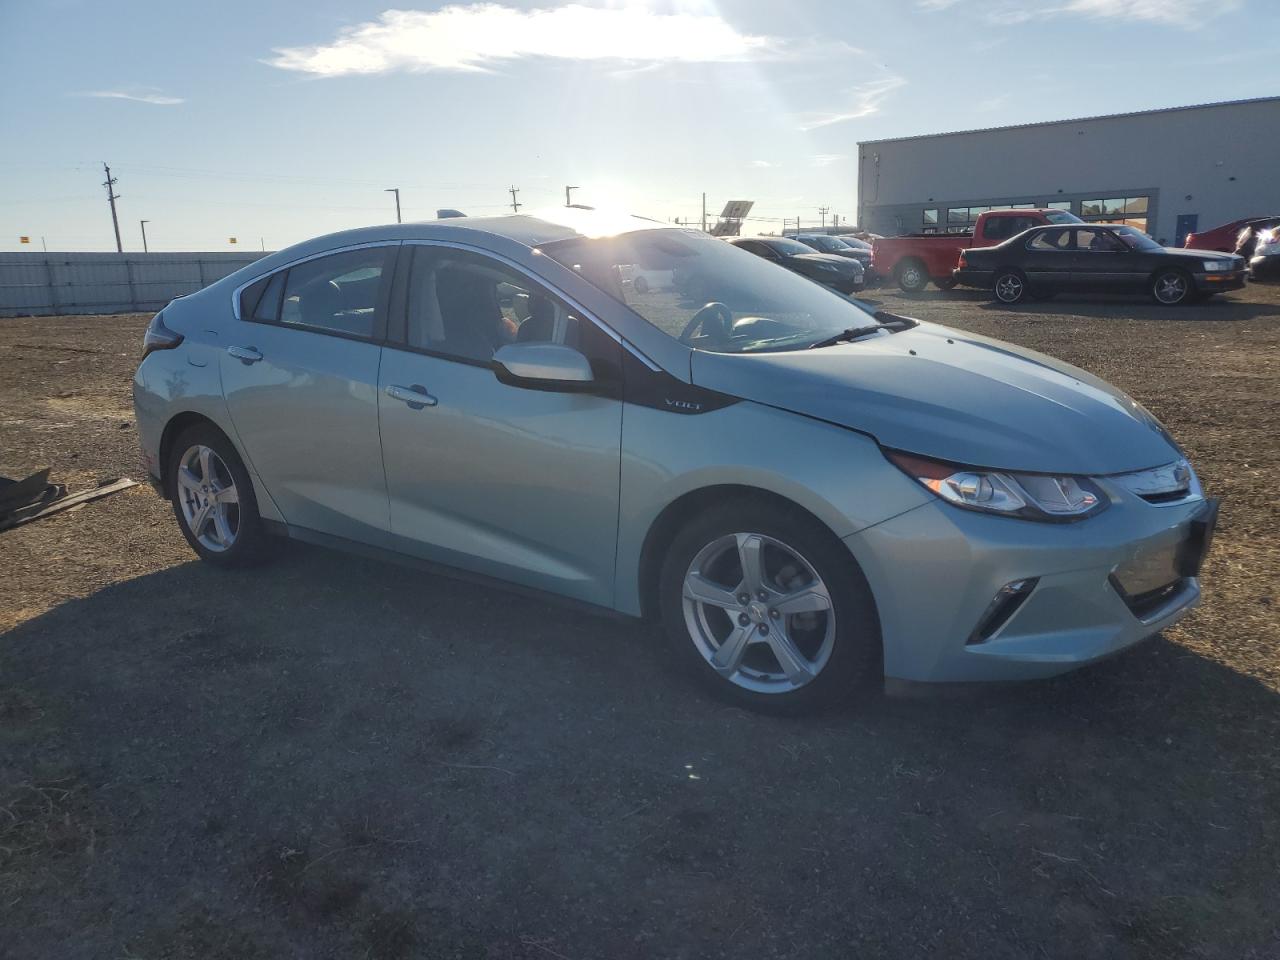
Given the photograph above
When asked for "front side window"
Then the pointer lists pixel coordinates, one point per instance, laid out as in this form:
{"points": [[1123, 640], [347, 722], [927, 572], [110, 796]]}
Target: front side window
{"points": [[1098, 241], [465, 306], [342, 294], [768, 309]]}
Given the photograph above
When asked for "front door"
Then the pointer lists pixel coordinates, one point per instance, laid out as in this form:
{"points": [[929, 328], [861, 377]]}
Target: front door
{"points": [[500, 480], [300, 376], [1103, 264]]}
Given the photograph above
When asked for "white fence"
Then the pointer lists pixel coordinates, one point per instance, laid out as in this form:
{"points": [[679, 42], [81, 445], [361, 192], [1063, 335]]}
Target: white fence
{"points": [[47, 284]]}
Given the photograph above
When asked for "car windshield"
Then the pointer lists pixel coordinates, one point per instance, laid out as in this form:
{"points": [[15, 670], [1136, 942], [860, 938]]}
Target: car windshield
{"points": [[827, 244], [1062, 216], [855, 243], [1135, 239], [785, 245], [670, 276]]}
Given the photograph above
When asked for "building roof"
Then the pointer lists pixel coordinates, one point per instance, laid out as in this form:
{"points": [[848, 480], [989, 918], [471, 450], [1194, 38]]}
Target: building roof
{"points": [[1050, 123]]}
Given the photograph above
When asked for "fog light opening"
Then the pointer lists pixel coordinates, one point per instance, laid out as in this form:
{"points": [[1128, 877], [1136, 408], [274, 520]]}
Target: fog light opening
{"points": [[1001, 609]]}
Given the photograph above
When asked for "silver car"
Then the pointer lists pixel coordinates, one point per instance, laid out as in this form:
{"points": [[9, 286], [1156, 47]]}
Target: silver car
{"points": [[808, 496]]}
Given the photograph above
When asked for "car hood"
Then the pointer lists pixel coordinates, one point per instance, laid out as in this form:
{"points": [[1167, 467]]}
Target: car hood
{"points": [[955, 396], [1194, 254]]}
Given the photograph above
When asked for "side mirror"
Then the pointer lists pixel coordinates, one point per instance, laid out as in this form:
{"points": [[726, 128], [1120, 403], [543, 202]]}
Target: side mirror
{"points": [[543, 366]]}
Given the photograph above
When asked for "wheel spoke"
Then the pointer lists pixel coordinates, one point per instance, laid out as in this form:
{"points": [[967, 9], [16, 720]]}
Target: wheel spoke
{"points": [[227, 495], [222, 529], [699, 588], [206, 465], [199, 519], [751, 556], [810, 599], [793, 662], [187, 479], [729, 654]]}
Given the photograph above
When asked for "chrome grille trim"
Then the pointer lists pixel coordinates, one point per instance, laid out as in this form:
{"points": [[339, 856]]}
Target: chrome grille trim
{"points": [[1171, 483]]}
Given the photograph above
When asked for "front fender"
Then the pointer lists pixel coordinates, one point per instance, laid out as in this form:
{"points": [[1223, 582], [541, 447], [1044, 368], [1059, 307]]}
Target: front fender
{"points": [[839, 476]]}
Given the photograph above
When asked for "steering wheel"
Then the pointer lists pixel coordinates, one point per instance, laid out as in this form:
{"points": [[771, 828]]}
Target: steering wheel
{"points": [[715, 310]]}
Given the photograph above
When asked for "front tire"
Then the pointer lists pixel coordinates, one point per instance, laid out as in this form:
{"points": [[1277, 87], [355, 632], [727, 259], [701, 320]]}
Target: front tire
{"points": [[1171, 288], [213, 499], [945, 284], [768, 609], [1010, 286]]}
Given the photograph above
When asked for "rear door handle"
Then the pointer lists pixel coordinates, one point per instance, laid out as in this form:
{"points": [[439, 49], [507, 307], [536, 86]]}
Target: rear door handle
{"points": [[245, 355], [415, 396]]}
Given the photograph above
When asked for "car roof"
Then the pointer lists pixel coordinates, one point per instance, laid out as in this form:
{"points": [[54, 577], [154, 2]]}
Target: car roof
{"points": [[527, 229]]}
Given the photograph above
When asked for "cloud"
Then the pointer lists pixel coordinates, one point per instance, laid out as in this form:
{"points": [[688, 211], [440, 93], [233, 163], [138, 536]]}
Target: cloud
{"points": [[827, 159], [865, 99], [1189, 14], [471, 37], [762, 164], [157, 99]]}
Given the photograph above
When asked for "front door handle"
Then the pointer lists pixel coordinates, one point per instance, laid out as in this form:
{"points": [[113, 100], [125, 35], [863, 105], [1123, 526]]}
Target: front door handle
{"points": [[245, 355], [415, 396]]}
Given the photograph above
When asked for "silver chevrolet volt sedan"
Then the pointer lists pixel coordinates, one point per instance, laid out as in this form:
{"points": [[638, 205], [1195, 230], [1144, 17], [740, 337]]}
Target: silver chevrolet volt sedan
{"points": [[808, 495]]}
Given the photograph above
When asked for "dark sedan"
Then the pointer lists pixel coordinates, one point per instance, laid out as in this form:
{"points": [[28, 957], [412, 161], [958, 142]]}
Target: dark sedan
{"points": [[842, 274], [1096, 258], [837, 246]]}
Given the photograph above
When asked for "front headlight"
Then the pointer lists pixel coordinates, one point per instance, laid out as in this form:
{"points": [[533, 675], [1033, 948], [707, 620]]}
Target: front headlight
{"points": [[1031, 496], [1214, 266]]}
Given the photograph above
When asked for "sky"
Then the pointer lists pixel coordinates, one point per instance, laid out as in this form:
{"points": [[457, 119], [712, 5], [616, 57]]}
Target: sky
{"points": [[272, 122]]}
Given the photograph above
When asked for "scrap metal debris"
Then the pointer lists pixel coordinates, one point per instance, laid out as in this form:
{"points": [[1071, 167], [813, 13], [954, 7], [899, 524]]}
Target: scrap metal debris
{"points": [[22, 501]]}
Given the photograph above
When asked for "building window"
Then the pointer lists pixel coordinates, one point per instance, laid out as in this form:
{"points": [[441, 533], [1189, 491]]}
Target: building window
{"points": [[1022, 206], [1059, 205], [957, 215], [931, 217], [1130, 211]]}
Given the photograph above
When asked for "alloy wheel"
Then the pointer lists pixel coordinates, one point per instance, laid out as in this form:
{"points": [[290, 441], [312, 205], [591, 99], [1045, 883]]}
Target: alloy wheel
{"points": [[758, 613], [1009, 288], [208, 498], [1170, 288]]}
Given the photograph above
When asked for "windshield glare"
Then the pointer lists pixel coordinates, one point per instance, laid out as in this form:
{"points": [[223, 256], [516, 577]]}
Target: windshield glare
{"points": [[1062, 216], [670, 276], [1135, 239]]}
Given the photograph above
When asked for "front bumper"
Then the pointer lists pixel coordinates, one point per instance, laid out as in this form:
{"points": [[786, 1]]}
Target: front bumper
{"points": [[968, 277], [1218, 282], [936, 570], [844, 283], [1265, 267]]}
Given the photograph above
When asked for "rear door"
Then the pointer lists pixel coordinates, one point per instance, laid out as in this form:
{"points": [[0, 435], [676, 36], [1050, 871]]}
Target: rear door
{"points": [[1046, 258], [501, 480], [300, 376]]}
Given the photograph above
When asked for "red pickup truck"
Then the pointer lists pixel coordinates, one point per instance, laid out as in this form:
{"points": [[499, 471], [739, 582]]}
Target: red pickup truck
{"points": [[912, 261]]}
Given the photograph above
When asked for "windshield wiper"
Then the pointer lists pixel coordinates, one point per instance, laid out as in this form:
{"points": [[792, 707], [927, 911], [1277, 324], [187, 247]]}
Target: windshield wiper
{"points": [[887, 321]]}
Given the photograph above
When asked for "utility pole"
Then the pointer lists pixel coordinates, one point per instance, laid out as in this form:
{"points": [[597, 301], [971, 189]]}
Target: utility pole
{"points": [[704, 212], [112, 197], [515, 205], [824, 211], [143, 225], [396, 191], [567, 201]]}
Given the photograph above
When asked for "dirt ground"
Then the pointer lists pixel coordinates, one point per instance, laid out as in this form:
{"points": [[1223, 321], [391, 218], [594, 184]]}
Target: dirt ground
{"points": [[332, 757]]}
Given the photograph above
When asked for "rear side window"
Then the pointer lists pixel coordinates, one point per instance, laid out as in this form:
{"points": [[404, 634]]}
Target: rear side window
{"points": [[343, 294], [1001, 228], [1050, 240]]}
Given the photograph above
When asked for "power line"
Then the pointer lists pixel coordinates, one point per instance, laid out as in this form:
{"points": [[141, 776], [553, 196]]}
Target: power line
{"points": [[112, 197]]}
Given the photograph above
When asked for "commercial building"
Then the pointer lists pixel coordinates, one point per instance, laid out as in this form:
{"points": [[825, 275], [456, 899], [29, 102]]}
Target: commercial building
{"points": [[1168, 172]]}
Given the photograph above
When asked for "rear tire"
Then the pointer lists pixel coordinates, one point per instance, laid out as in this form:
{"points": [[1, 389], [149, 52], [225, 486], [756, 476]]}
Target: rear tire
{"points": [[725, 618], [1010, 286], [213, 498], [1172, 287], [912, 276]]}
